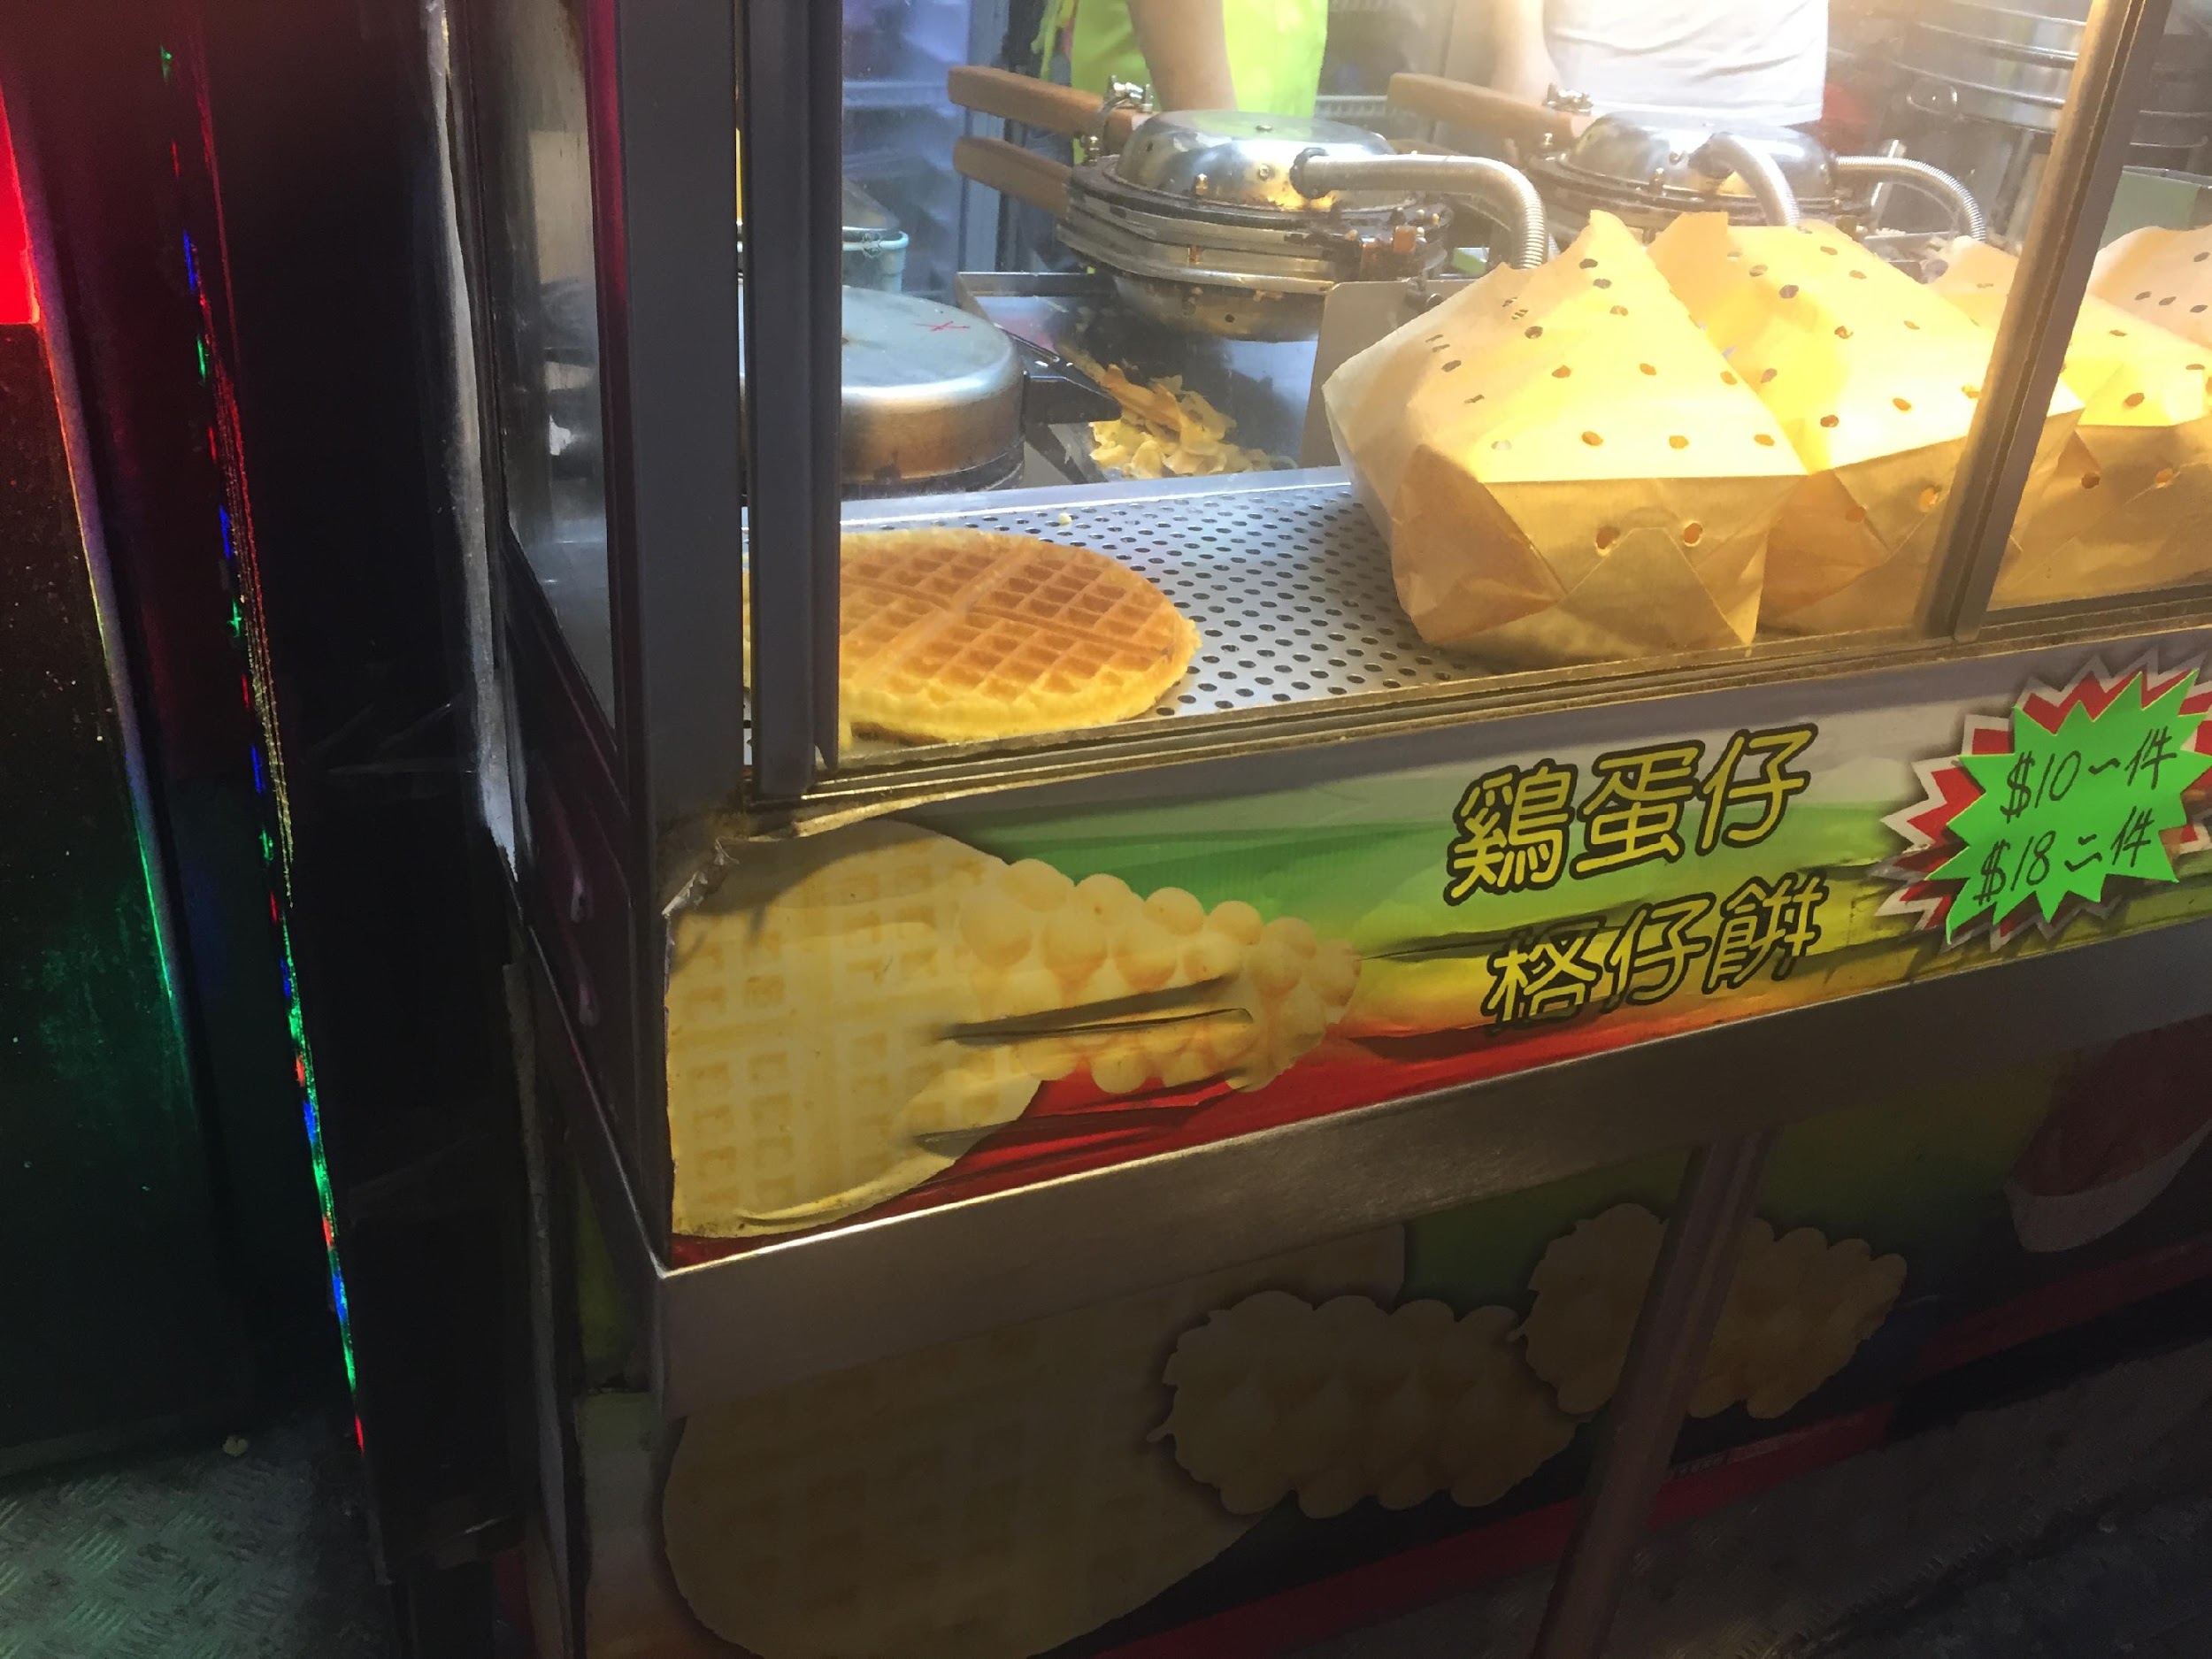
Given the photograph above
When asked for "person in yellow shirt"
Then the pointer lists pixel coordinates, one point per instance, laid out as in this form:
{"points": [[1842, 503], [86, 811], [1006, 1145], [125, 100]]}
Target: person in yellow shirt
{"points": [[1262, 55]]}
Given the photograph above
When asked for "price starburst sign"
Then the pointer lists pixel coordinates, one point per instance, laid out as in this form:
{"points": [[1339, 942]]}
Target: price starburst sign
{"points": [[2066, 810]]}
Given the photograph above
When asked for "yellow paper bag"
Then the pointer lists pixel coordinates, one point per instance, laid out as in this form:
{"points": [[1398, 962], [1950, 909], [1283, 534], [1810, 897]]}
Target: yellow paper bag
{"points": [[1874, 380], [2163, 275], [1564, 470], [2125, 509]]}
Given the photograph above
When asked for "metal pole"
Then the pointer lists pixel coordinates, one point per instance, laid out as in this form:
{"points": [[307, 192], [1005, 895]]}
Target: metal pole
{"points": [[1697, 1260], [792, 71], [2118, 45]]}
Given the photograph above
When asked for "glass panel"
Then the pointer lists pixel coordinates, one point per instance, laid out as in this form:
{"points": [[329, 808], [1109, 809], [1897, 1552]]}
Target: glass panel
{"points": [[546, 316], [2123, 510], [1683, 428]]}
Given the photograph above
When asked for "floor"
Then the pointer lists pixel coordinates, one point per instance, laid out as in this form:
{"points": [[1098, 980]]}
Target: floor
{"points": [[2073, 1525], [257, 1552]]}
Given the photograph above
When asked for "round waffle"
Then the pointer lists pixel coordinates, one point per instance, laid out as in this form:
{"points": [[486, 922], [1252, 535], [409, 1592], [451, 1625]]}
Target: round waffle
{"points": [[951, 635]]}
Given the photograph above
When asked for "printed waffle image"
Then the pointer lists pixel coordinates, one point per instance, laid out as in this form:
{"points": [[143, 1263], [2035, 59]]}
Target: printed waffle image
{"points": [[1564, 468], [1589, 1284], [831, 1008], [985, 1498], [952, 635], [1797, 1310], [808, 1076], [1044, 943], [1873, 379], [2124, 508], [1346, 1401]]}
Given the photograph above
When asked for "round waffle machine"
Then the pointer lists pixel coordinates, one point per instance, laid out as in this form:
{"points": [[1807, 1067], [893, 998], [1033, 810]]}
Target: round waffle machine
{"points": [[1649, 172], [1234, 223]]}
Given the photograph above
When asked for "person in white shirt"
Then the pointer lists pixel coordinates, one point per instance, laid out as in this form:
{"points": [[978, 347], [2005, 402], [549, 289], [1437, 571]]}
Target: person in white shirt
{"points": [[1687, 62]]}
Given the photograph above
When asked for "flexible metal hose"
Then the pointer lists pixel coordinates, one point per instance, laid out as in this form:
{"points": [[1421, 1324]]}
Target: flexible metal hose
{"points": [[1966, 213], [1497, 189], [1724, 153]]}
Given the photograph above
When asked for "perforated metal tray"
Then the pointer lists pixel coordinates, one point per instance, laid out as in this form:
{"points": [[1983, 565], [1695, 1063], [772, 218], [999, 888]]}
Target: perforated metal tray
{"points": [[1288, 583]]}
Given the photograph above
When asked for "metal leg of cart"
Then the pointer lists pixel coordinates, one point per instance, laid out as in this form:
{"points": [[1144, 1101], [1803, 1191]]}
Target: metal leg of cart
{"points": [[1689, 1284]]}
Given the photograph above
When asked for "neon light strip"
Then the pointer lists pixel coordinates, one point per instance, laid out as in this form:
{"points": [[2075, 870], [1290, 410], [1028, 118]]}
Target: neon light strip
{"points": [[248, 628]]}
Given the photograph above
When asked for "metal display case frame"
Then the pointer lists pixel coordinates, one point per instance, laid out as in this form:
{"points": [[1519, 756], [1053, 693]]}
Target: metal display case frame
{"points": [[696, 760]]}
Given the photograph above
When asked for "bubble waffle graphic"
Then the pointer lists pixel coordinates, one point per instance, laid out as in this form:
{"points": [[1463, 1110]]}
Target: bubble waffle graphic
{"points": [[1589, 1284], [831, 1009], [1044, 943], [958, 634], [1346, 1401], [1797, 1310], [985, 1498]]}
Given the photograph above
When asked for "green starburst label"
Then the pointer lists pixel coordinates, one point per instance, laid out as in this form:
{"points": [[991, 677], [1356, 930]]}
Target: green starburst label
{"points": [[2066, 810]]}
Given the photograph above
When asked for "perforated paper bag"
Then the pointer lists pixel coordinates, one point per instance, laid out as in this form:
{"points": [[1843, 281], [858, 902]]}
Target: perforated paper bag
{"points": [[1873, 379], [2126, 507], [2164, 275], [1564, 470]]}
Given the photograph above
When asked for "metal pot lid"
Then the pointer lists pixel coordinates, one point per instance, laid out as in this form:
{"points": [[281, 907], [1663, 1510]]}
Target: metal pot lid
{"points": [[1240, 159], [929, 390]]}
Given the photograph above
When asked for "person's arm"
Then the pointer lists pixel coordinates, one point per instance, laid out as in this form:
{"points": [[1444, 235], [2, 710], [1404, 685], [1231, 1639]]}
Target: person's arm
{"points": [[1521, 63], [1187, 49]]}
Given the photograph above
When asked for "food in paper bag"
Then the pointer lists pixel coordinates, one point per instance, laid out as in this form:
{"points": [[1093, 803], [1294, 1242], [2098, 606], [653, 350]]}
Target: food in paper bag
{"points": [[990, 1498], [1347, 1401], [1873, 378], [809, 1074], [1798, 1308], [1563, 467], [2125, 508], [2164, 275], [955, 634]]}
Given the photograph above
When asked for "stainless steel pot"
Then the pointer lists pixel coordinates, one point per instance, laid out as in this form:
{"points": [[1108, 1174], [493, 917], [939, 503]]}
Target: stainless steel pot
{"points": [[932, 398]]}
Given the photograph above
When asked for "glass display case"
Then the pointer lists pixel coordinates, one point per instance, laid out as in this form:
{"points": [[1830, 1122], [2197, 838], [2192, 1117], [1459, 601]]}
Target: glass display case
{"points": [[1371, 669]]}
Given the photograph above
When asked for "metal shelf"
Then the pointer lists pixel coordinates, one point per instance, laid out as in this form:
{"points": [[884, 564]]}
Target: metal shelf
{"points": [[1286, 580], [819, 1303]]}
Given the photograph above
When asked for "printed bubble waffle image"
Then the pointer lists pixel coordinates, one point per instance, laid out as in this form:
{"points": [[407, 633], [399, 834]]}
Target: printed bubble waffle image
{"points": [[809, 1074], [952, 635], [1042, 942], [1589, 1286], [1346, 1401], [848, 1014], [985, 1498], [1798, 1308]]}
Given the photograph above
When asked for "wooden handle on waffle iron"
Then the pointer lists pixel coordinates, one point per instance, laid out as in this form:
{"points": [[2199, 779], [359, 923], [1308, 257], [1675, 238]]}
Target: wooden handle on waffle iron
{"points": [[1457, 103], [1034, 103], [1012, 170]]}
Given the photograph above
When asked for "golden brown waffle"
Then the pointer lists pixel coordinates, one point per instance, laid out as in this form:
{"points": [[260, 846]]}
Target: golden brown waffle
{"points": [[989, 1498], [950, 635], [1347, 1401], [809, 1075]]}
